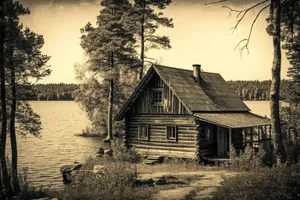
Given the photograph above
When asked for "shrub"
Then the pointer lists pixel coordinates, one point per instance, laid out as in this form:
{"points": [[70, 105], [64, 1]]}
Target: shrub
{"points": [[247, 160], [116, 183], [269, 183], [123, 154]]}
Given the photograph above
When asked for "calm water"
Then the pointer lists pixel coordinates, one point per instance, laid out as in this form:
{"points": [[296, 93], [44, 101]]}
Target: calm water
{"points": [[58, 145]]}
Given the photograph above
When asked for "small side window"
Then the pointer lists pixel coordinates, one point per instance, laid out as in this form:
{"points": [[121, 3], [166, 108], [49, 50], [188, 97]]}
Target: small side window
{"points": [[172, 133], [208, 133], [144, 132]]}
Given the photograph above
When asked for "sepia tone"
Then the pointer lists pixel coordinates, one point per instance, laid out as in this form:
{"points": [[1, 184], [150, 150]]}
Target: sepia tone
{"points": [[149, 99]]}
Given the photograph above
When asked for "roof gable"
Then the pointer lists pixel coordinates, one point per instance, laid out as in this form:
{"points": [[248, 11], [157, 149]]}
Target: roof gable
{"points": [[212, 94]]}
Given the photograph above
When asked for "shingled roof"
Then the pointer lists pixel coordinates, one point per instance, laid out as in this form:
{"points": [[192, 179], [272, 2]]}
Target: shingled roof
{"points": [[212, 94]]}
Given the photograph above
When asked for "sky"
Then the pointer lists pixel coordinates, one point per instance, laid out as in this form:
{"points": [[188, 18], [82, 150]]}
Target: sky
{"points": [[201, 35]]}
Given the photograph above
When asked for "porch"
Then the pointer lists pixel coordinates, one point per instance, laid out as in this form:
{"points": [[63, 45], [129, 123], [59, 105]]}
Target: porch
{"points": [[220, 131]]}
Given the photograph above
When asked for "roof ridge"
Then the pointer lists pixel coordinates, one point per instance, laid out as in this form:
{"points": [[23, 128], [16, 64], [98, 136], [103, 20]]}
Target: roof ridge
{"points": [[183, 69]]}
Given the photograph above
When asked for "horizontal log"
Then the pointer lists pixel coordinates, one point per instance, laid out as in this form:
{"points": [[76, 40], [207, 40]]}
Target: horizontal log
{"points": [[174, 154], [163, 137], [165, 142], [160, 144], [162, 116], [157, 147], [164, 123]]}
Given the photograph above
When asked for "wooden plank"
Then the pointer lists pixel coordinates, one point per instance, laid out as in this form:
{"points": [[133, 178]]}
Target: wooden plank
{"points": [[161, 144], [135, 140], [136, 146], [175, 154]]}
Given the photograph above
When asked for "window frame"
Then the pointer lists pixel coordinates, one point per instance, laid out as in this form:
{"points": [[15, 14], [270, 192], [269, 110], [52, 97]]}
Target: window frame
{"points": [[210, 128], [147, 136], [155, 91], [174, 128]]}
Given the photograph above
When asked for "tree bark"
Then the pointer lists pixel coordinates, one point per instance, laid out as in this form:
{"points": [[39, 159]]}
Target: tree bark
{"points": [[110, 102], [14, 151], [6, 187], [275, 10], [13, 139], [142, 41]]}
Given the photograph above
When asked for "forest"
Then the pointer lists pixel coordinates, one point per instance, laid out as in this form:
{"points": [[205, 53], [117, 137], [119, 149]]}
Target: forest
{"points": [[52, 92], [247, 90]]}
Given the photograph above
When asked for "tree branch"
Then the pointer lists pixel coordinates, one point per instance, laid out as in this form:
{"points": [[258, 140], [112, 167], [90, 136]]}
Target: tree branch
{"points": [[242, 12], [247, 40], [215, 2]]}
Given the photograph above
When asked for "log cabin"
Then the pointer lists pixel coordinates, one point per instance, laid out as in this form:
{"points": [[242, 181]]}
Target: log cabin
{"points": [[189, 114]]}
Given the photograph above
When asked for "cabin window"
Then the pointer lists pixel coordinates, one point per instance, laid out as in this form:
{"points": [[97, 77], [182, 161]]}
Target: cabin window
{"points": [[158, 97], [144, 132], [172, 133], [208, 132]]}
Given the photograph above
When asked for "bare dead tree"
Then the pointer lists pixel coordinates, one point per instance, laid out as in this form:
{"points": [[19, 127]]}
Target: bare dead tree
{"points": [[275, 9]]}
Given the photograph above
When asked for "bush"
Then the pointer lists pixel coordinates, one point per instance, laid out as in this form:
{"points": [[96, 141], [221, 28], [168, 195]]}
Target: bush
{"points": [[116, 183], [123, 154], [248, 160], [269, 183]]}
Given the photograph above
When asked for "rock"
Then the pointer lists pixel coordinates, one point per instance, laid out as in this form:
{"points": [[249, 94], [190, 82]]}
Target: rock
{"points": [[106, 140], [67, 172], [46, 198], [159, 181], [100, 151], [68, 168], [144, 182], [108, 152], [76, 166], [98, 169]]}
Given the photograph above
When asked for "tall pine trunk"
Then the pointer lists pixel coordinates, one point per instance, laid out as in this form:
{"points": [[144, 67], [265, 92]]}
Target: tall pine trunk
{"points": [[6, 187], [12, 129], [275, 10], [142, 41], [110, 102], [13, 139]]}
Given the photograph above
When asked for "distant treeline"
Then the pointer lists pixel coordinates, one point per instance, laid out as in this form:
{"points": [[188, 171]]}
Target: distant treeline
{"points": [[53, 92], [247, 90], [257, 90]]}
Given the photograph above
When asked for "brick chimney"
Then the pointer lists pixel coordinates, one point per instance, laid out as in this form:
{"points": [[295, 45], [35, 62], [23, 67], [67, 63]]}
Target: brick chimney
{"points": [[197, 72]]}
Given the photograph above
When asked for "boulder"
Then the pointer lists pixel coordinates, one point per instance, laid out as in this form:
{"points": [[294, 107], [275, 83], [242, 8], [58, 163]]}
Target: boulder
{"points": [[67, 171], [100, 151]]}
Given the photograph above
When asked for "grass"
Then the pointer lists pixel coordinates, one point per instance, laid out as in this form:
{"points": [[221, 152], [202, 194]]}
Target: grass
{"points": [[175, 166], [268, 183]]}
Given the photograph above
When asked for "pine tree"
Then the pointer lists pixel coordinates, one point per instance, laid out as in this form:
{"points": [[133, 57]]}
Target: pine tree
{"points": [[146, 22], [23, 63], [5, 182], [110, 49], [291, 39]]}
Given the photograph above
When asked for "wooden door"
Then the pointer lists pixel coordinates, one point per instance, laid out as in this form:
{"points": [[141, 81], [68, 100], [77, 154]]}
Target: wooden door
{"points": [[222, 141]]}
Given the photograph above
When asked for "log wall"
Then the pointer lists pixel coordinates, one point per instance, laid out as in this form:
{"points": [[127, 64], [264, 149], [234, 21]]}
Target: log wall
{"points": [[158, 144]]}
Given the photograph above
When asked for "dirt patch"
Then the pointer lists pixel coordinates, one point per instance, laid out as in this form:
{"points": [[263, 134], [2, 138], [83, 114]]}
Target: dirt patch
{"points": [[200, 184]]}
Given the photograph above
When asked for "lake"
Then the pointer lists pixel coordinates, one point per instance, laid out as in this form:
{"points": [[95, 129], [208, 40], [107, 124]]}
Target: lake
{"points": [[58, 146]]}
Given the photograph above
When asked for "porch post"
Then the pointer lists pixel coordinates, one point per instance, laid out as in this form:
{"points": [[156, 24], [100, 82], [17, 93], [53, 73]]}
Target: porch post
{"points": [[230, 132]]}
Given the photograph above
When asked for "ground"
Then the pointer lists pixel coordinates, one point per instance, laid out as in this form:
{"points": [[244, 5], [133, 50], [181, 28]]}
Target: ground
{"points": [[201, 184]]}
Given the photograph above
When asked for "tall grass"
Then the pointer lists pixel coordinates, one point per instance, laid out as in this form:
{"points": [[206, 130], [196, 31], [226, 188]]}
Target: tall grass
{"points": [[268, 183]]}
